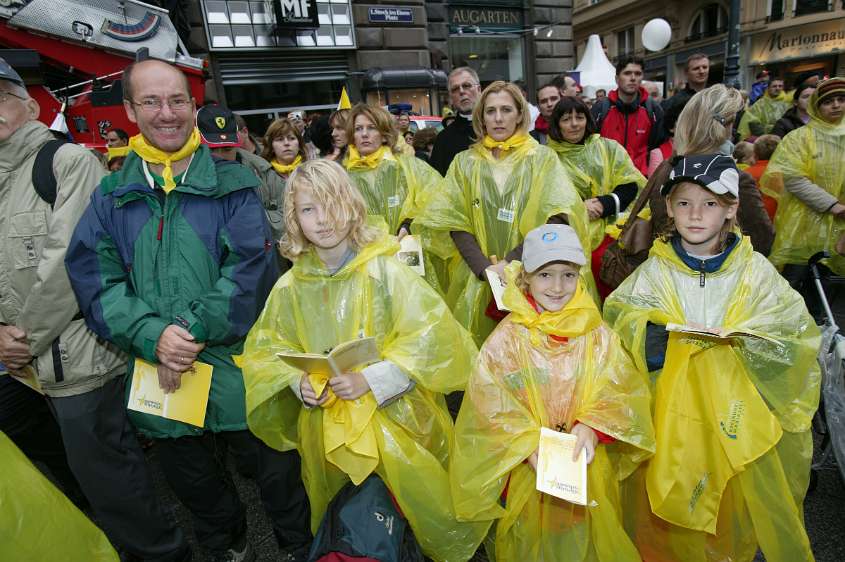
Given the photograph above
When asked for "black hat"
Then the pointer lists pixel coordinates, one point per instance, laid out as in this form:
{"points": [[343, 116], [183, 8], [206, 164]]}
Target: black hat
{"points": [[715, 172], [8, 73], [217, 127]]}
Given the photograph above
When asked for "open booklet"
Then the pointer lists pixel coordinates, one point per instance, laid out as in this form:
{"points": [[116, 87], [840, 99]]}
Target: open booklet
{"points": [[344, 357], [720, 335], [557, 474], [497, 285], [411, 254], [187, 404]]}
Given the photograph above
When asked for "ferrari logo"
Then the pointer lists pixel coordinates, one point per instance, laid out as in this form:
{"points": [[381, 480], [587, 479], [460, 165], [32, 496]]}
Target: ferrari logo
{"points": [[221, 122]]}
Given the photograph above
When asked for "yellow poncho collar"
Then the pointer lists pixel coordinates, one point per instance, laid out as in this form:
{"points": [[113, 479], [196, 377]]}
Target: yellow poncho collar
{"points": [[355, 161], [285, 169], [309, 265], [514, 141], [569, 148], [578, 317], [152, 155]]}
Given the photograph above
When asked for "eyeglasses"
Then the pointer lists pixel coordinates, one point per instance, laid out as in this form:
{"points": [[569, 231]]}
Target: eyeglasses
{"points": [[4, 97], [154, 105], [465, 86]]}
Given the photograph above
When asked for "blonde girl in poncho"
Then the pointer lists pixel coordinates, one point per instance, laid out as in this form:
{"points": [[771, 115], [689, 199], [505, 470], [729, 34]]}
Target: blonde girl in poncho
{"points": [[733, 400], [395, 186], [551, 363], [502, 187], [388, 419]]}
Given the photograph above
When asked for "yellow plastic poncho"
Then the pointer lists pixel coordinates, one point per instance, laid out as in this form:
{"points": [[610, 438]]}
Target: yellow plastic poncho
{"points": [[524, 380], [405, 442], [396, 190], [596, 167], [731, 417], [499, 202], [37, 521], [765, 111], [815, 152]]}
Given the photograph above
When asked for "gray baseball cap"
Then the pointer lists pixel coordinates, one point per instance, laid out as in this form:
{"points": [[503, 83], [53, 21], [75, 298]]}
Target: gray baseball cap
{"points": [[8, 73], [551, 242]]}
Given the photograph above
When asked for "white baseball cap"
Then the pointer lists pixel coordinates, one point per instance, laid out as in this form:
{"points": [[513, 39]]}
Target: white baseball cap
{"points": [[551, 242]]}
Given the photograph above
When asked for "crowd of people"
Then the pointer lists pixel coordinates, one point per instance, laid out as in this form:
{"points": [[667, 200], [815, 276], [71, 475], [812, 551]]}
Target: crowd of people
{"points": [[689, 383]]}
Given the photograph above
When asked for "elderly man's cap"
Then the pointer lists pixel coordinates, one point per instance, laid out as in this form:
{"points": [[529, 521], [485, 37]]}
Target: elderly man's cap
{"points": [[8, 73]]}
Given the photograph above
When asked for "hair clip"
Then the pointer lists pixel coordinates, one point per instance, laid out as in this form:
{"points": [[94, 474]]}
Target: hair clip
{"points": [[720, 119]]}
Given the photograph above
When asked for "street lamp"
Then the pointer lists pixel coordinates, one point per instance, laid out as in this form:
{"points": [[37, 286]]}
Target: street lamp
{"points": [[732, 56]]}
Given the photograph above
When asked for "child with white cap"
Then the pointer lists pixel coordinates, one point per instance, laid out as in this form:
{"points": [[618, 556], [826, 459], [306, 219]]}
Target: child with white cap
{"points": [[730, 350], [551, 363]]}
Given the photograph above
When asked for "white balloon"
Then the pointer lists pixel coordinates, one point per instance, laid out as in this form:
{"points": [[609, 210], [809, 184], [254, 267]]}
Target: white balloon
{"points": [[656, 34]]}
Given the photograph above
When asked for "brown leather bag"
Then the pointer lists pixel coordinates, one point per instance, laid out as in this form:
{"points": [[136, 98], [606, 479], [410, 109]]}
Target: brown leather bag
{"points": [[631, 249]]}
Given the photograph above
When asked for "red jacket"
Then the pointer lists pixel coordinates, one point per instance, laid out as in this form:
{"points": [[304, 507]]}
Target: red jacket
{"points": [[628, 124]]}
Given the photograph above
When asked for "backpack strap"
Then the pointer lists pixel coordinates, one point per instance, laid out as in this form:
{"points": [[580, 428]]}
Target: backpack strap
{"points": [[43, 177]]}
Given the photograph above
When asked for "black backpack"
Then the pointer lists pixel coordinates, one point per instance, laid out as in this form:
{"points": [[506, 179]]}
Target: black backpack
{"points": [[43, 177]]}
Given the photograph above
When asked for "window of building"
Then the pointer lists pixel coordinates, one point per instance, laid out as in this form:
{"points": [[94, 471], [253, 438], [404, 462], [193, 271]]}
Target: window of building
{"points": [[803, 7], [497, 57], [625, 43], [711, 20], [236, 24], [775, 10]]}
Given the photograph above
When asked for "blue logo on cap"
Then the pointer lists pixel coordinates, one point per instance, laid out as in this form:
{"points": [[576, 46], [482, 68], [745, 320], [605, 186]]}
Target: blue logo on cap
{"points": [[549, 236]]}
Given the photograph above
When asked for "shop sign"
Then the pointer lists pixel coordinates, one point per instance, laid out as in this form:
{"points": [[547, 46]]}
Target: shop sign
{"points": [[822, 38], [296, 14], [490, 17], [391, 15]]}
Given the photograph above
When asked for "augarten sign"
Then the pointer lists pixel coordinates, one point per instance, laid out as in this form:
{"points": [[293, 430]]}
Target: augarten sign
{"points": [[296, 14]]}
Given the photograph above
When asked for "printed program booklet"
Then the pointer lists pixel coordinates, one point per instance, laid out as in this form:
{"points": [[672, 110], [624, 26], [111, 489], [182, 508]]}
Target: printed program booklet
{"points": [[557, 474], [703, 332], [187, 404], [497, 285], [344, 357], [27, 377], [410, 253]]}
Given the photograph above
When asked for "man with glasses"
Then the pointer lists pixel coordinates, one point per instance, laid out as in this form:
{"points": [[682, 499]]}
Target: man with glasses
{"points": [[42, 333], [172, 262], [464, 90]]}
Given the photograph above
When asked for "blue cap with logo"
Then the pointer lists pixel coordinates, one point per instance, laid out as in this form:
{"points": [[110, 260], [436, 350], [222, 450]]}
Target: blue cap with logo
{"points": [[551, 242], [8, 73]]}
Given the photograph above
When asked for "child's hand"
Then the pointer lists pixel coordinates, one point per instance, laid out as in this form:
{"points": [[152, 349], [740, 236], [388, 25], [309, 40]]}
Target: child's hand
{"points": [[308, 395], [532, 460], [349, 386], [403, 232], [499, 268], [594, 208], [587, 440]]}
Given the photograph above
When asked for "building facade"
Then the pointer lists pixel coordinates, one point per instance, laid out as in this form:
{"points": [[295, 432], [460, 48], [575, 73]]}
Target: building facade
{"points": [[786, 37]]}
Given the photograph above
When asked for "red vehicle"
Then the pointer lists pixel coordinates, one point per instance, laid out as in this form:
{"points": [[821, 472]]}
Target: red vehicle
{"points": [[71, 54]]}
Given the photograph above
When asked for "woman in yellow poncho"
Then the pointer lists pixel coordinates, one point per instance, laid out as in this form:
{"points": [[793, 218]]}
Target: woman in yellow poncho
{"points": [[390, 418], [807, 177], [395, 186], [551, 363], [734, 390], [494, 193], [284, 148], [600, 169]]}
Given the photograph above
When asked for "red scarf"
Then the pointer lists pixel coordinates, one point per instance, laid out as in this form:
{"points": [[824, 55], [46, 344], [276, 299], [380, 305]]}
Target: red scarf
{"points": [[541, 125]]}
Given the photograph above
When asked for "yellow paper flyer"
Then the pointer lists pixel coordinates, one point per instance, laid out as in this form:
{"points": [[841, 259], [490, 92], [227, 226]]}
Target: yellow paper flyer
{"points": [[28, 377], [187, 404], [557, 474]]}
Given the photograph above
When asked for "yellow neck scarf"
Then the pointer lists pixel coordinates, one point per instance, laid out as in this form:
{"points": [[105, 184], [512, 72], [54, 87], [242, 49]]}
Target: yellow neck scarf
{"points": [[355, 160], [118, 151], [514, 141], [576, 318], [152, 155], [285, 169]]}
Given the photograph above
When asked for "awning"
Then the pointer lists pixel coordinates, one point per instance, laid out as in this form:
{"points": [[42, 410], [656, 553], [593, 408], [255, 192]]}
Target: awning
{"points": [[403, 78]]}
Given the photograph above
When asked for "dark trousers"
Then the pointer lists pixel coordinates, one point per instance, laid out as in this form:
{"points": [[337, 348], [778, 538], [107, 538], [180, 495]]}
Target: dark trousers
{"points": [[27, 420], [195, 469], [106, 458]]}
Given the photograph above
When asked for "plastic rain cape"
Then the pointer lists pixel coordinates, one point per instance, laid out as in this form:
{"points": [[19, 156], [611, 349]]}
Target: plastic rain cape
{"points": [[815, 152], [534, 187], [766, 111], [732, 420], [37, 521], [523, 381], [373, 295], [395, 191], [596, 168]]}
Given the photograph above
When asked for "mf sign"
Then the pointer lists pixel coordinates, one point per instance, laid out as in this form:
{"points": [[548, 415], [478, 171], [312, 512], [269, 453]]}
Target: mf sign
{"points": [[296, 14]]}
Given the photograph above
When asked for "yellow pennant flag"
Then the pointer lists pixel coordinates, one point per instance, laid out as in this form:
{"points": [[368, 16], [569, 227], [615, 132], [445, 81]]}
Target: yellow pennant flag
{"points": [[344, 102]]}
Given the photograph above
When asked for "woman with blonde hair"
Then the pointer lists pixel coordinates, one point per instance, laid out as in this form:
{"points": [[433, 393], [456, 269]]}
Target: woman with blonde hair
{"points": [[395, 186], [385, 420], [502, 187], [705, 127]]}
